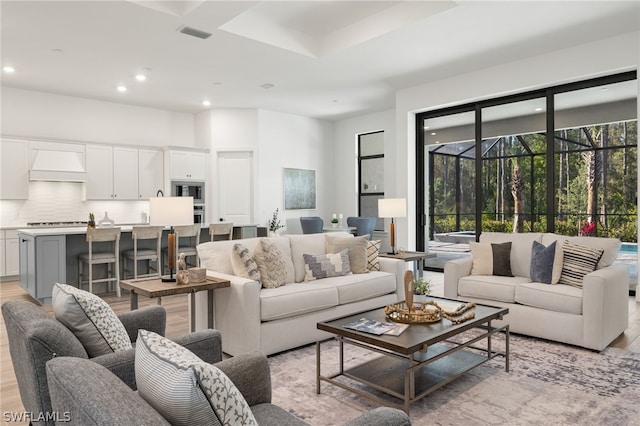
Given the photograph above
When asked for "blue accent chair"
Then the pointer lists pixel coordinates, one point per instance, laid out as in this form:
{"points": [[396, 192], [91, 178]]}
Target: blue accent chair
{"points": [[311, 224]]}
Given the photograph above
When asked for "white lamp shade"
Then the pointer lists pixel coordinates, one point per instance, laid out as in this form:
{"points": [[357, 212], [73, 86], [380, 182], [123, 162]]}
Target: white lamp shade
{"points": [[392, 207], [171, 211]]}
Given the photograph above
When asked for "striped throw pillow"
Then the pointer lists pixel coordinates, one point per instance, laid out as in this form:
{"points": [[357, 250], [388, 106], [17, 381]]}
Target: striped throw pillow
{"points": [[578, 261], [373, 250], [184, 389]]}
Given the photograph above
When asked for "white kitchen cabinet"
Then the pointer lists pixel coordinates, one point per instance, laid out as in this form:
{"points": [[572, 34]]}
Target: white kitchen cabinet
{"points": [[188, 165], [112, 173], [150, 172], [11, 264], [14, 169]]}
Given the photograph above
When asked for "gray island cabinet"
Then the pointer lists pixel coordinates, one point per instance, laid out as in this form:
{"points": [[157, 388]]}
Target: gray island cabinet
{"points": [[42, 264], [50, 255]]}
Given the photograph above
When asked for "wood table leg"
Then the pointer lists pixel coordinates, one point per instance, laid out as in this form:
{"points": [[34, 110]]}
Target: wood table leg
{"points": [[211, 310], [134, 300]]}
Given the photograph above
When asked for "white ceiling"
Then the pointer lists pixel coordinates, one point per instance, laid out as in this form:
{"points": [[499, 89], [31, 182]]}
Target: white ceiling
{"points": [[326, 59]]}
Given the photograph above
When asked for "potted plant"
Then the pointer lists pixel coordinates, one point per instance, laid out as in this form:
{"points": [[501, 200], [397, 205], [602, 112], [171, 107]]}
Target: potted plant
{"points": [[92, 221], [334, 221], [421, 286], [274, 224]]}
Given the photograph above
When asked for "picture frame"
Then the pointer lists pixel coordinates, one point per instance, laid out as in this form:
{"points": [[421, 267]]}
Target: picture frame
{"points": [[299, 189]]}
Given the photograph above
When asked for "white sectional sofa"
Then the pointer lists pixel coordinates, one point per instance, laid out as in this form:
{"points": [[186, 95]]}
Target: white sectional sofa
{"points": [[591, 316], [276, 319]]}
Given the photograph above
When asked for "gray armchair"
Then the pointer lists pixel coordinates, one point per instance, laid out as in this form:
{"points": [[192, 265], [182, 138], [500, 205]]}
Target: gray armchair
{"points": [[91, 395], [36, 337], [311, 224]]}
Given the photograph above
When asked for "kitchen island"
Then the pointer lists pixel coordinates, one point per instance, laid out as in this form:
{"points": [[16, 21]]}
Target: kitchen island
{"points": [[50, 254]]}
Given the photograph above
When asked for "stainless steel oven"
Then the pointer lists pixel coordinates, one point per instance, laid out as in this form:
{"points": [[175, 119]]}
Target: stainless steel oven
{"points": [[198, 214], [189, 189]]}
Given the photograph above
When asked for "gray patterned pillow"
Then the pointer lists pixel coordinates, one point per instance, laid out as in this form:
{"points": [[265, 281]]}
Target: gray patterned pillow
{"points": [[244, 265], [373, 249], [90, 319], [184, 389], [326, 265], [578, 261], [271, 263]]}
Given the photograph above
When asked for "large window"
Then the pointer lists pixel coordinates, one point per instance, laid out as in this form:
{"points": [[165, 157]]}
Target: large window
{"points": [[371, 174], [561, 159]]}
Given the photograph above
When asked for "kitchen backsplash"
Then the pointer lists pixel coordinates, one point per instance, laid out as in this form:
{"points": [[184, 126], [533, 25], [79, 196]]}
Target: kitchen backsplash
{"points": [[63, 201]]}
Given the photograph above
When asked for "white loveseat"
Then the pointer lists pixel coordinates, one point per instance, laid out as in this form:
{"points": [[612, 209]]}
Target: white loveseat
{"points": [[276, 319], [591, 316]]}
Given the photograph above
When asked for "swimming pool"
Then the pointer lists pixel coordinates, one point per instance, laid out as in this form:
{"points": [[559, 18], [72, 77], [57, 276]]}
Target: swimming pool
{"points": [[629, 248]]}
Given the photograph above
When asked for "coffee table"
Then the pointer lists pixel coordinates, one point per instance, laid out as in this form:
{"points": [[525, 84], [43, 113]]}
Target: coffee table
{"points": [[417, 362], [154, 287]]}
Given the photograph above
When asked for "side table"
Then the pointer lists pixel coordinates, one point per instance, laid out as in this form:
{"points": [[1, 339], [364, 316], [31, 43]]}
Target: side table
{"points": [[154, 287], [417, 257]]}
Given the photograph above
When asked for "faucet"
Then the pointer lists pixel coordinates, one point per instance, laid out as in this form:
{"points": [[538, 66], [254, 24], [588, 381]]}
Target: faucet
{"points": [[160, 193]]}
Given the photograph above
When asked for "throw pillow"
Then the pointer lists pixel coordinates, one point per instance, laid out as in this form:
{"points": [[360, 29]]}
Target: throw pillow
{"points": [[491, 259], [90, 319], [243, 263], [326, 265], [542, 259], [184, 389], [357, 247], [557, 263], [578, 261], [271, 263], [373, 250]]}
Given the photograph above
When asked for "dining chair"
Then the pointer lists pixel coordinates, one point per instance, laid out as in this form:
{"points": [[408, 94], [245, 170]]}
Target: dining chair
{"points": [[143, 233], [191, 233], [106, 252], [365, 226], [311, 224], [221, 231]]}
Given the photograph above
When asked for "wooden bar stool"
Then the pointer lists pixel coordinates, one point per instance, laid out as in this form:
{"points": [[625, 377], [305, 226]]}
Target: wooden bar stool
{"points": [[143, 233], [95, 257], [223, 231]]}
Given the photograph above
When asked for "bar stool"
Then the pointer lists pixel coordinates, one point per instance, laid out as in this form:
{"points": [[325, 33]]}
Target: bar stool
{"points": [[224, 231], [192, 232], [144, 233], [109, 257]]}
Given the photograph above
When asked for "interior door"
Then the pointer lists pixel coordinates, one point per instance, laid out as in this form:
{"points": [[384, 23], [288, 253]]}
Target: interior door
{"points": [[235, 187]]}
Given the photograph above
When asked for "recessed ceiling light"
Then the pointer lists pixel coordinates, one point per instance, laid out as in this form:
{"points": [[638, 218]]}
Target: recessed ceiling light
{"points": [[141, 77], [206, 103], [426, 127], [122, 88], [433, 133], [538, 109], [8, 69], [267, 86]]}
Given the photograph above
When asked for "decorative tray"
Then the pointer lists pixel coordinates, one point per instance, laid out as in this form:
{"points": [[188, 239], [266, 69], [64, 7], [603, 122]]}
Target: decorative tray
{"points": [[426, 313]]}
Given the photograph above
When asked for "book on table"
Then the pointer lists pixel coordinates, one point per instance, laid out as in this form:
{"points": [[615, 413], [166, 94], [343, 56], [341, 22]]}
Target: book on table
{"points": [[376, 327]]}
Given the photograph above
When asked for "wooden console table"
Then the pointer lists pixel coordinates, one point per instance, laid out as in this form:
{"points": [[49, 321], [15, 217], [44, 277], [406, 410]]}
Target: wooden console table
{"points": [[154, 287], [417, 257]]}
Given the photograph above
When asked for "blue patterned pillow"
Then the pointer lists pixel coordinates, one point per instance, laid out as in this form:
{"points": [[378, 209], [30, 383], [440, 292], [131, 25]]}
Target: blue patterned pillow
{"points": [[184, 389], [326, 265], [542, 262]]}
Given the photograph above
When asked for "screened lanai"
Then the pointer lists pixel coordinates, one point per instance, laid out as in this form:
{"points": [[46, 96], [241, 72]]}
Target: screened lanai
{"points": [[562, 159]]}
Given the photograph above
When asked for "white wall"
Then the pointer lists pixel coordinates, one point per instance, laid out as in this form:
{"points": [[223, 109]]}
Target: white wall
{"points": [[595, 59], [41, 115], [278, 140]]}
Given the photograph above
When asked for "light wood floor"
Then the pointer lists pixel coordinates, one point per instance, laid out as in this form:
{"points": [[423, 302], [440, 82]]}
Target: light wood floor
{"points": [[178, 324]]}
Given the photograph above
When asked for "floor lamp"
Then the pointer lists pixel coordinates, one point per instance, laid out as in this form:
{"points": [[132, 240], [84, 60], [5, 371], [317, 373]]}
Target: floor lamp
{"points": [[171, 211], [392, 208]]}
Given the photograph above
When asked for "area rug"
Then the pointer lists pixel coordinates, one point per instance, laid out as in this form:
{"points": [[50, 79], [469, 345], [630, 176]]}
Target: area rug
{"points": [[548, 384]]}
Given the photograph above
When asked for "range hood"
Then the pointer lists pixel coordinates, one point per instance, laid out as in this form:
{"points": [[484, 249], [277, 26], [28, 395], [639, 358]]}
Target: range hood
{"points": [[57, 161]]}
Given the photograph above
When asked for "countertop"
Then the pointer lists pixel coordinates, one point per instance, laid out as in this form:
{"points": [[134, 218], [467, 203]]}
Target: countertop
{"points": [[78, 230]]}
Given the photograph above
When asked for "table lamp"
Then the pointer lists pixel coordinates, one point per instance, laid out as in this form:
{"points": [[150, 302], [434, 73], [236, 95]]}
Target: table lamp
{"points": [[171, 211], [392, 207]]}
